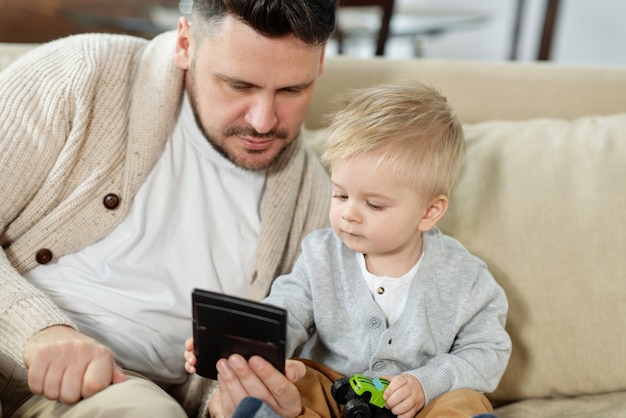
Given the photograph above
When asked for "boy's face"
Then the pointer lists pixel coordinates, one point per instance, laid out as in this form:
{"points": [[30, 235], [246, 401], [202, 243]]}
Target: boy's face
{"points": [[375, 212]]}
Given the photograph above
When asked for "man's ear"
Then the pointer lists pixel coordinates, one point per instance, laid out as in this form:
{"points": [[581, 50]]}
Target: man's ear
{"points": [[435, 209], [184, 44], [322, 57]]}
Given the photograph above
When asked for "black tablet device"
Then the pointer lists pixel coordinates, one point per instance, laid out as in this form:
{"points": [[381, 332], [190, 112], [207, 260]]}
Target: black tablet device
{"points": [[224, 325]]}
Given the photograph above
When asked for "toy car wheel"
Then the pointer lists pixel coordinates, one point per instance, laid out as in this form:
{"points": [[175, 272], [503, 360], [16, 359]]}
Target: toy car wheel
{"points": [[356, 408], [384, 413], [340, 390]]}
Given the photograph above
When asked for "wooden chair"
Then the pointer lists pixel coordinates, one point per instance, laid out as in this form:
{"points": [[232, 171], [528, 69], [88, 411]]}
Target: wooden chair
{"points": [[549, 23], [383, 33]]}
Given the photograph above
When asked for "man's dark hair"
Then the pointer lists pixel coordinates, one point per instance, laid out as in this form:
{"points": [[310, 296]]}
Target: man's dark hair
{"points": [[311, 21]]}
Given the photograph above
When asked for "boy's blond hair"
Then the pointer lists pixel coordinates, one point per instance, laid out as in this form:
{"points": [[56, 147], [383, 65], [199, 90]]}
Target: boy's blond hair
{"points": [[411, 127]]}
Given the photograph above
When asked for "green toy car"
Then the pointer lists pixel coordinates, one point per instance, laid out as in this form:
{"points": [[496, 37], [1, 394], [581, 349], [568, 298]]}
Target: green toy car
{"points": [[361, 396]]}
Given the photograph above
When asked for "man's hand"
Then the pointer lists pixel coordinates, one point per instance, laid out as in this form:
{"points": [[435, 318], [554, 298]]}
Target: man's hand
{"points": [[66, 365], [257, 378], [404, 396], [215, 406]]}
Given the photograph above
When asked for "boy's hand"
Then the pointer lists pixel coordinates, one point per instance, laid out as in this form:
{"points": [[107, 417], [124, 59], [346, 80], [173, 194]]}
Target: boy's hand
{"points": [[190, 358], [404, 396]]}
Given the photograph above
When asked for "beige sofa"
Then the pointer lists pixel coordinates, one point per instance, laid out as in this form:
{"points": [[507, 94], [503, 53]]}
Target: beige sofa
{"points": [[542, 201]]}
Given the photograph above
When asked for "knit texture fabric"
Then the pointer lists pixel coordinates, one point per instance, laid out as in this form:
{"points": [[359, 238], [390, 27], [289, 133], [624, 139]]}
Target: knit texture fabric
{"points": [[86, 116]]}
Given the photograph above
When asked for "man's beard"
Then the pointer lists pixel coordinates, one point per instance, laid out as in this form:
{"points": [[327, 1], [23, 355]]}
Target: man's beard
{"points": [[232, 131]]}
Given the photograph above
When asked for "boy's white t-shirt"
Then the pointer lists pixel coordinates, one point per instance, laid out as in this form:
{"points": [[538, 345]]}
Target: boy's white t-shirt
{"points": [[195, 222], [390, 293]]}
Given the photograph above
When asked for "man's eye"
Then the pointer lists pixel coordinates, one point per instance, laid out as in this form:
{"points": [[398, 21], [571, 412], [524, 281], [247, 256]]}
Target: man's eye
{"points": [[293, 92], [239, 87]]}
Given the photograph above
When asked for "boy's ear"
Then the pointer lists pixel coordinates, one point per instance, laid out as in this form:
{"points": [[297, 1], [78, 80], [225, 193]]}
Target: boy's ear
{"points": [[435, 209]]}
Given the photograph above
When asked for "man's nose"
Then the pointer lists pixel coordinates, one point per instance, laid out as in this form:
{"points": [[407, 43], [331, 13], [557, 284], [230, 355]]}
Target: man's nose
{"points": [[262, 113]]}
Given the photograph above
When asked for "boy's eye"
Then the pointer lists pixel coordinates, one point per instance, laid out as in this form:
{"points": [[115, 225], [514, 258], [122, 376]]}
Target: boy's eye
{"points": [[340, 196], [374, 206]]}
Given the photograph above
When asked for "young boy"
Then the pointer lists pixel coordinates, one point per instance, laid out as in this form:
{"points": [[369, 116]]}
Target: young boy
{"points": [[385, 291]]}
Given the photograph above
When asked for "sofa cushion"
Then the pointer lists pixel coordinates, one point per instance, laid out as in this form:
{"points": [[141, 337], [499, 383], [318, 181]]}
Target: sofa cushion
{"points": [[608, 405], [542, 202]]}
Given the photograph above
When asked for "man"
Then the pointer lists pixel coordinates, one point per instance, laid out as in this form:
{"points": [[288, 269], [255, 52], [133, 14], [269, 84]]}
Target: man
{"points": [[134, 171]]}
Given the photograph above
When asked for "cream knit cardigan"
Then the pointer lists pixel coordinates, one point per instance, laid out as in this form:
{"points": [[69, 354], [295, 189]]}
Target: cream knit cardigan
{"points": [[86, 116]]}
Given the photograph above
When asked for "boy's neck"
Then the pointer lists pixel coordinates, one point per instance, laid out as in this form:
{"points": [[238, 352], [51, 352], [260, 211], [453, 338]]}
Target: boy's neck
{"points": [[394, 264]]}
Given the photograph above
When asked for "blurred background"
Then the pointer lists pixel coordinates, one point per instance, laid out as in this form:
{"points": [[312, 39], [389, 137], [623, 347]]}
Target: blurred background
{"points": [[580, 32]]}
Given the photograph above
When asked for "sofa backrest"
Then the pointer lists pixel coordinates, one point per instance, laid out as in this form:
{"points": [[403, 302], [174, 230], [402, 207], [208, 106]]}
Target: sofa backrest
{"points": [[481, 90]]}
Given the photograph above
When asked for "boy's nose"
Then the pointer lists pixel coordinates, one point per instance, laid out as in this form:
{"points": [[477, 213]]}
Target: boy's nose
{"points": [[350, 213]]}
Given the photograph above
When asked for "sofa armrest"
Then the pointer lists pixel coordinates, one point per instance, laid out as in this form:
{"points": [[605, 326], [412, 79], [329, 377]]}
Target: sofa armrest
{"points": [[10, 51]]}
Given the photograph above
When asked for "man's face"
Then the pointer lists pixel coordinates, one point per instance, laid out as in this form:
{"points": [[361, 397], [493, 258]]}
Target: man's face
{"points": [[249, 93]]}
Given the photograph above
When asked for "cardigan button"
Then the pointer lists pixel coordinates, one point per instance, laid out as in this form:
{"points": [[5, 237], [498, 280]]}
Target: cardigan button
{"points": [[111, 201], [374, 322], [43, 256]]}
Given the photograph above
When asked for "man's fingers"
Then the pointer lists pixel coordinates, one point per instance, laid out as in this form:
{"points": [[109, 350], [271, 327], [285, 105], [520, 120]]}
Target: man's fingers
{"points": [[36, 376], [294, 370], [65, 365], [222, 403], [118, 375], [252, 382], [98, 374], [237, 378], [256, 377], [70, 387], [283, 396], [52, 382], [267, 376]]}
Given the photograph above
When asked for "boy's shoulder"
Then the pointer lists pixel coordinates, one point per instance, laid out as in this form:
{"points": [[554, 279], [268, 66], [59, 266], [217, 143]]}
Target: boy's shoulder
{"points": [[439, 244], [436, 237]]}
